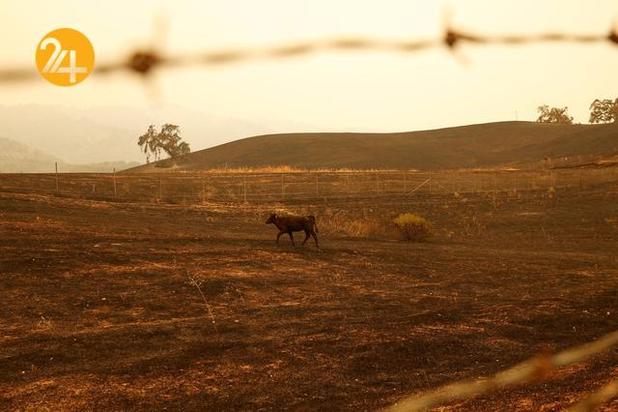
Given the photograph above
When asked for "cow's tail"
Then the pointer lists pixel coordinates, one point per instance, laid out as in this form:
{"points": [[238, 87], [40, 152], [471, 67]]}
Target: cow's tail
{"points": [[312, 220]]}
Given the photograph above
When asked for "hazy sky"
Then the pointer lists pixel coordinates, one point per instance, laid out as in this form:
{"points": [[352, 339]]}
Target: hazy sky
{"points": [[356, 91]]}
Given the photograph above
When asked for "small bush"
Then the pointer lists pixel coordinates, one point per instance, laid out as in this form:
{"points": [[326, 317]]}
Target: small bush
{"points": [[413, 227]]}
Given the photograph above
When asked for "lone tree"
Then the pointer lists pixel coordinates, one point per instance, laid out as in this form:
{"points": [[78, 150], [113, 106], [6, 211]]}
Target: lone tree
{"points": [[604, 111], [167, 140], [554, 115]]}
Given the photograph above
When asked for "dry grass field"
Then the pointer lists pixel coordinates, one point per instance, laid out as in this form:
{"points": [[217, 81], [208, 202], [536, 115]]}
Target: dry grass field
{"points": [[100, 308]]}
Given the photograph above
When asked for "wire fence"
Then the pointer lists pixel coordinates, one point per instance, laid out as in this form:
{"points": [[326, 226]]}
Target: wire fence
{"points": [[147, 60], [534, 369], [202, 188]]}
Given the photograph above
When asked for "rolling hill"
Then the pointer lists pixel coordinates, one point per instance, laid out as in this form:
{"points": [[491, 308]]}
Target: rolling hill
{"points": [[480, 145]]}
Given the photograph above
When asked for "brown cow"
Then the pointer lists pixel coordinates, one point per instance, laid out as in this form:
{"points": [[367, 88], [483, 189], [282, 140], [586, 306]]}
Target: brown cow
{"points": [[290, 223]]}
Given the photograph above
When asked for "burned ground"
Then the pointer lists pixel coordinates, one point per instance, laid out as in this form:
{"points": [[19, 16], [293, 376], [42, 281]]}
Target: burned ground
{"points": [[98, 311]]}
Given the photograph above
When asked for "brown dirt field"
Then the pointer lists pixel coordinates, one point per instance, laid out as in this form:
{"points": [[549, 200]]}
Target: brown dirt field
{"points": [[98, 312]]}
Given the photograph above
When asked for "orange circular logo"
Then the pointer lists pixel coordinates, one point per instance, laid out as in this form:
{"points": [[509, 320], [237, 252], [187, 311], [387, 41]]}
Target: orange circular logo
{"points": [[65, 57]]}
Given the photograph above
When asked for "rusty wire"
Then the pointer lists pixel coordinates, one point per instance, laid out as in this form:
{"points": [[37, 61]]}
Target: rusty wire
{"points": [[145, 61], [596, 399], [535, 369]]}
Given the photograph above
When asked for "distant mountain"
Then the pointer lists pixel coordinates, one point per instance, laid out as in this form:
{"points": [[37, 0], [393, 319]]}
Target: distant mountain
{"points": [[96, 134], [17, 157], [67, 134], [457, 147]]}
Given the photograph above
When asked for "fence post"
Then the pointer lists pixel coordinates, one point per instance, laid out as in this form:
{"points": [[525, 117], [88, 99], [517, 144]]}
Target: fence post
{"points": [[57, 183], [115, 191], [581, 180], [203, 191], [317, 184], [244, 188]]}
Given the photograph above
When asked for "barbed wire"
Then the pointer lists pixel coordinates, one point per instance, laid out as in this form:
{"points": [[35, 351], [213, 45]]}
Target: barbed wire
{"points": [[596, 399], [535, 369], [145, 61]]}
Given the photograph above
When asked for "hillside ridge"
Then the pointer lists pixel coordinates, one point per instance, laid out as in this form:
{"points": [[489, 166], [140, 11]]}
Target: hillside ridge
{"points": [[480, 145]]}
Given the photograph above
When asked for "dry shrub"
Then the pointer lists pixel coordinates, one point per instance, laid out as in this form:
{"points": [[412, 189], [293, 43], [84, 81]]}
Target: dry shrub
{"points": [[348, 227], [413, 227], [338, 222]]}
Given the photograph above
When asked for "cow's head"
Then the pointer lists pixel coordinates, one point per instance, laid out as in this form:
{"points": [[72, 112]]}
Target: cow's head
{"points": [[271, 218]]}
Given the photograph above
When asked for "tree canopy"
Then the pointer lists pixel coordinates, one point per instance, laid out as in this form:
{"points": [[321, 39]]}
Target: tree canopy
{"points": [[554, 115], [166, 140], [604, 111]]}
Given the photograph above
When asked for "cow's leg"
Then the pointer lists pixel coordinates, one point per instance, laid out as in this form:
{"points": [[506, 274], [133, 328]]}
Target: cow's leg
{"points": [[278, 236], [292, 238], [315, 237], [306, 237]]}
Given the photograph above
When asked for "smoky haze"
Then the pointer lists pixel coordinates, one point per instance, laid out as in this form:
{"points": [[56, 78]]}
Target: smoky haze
{"points": [[100, 119]]}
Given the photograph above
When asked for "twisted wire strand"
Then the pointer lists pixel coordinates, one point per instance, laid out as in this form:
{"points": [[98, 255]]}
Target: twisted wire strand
{"points": [[145, 61], [536, 368]]}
